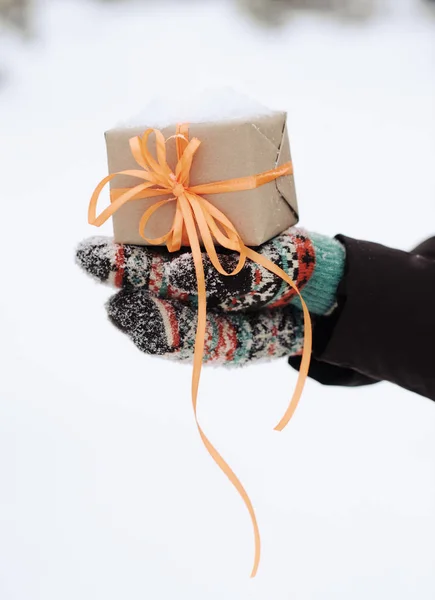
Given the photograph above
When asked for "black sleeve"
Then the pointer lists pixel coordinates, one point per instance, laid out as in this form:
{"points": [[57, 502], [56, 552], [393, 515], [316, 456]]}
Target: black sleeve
{"points": [[384, 326]]}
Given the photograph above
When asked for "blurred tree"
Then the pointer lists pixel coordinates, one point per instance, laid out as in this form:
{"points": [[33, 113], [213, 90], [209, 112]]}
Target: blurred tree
{"points": [[16, 14], [273, 11]]}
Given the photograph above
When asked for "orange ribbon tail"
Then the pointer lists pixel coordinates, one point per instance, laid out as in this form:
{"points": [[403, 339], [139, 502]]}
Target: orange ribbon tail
{"points": [[195, 216]]}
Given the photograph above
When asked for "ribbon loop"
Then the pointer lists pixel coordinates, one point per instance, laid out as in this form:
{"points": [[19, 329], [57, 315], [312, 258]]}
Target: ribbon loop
{"points": [[196, 218]]}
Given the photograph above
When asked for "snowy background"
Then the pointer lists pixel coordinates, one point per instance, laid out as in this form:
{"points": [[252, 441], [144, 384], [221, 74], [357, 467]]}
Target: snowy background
{"points": [[105, 489]]}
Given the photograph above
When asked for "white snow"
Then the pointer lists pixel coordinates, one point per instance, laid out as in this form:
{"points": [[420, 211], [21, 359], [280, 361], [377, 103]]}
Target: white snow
{"points": [[106, 491], [196, 106]]}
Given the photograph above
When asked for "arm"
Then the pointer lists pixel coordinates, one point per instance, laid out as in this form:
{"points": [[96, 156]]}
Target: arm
{"points": [[384, 325]]}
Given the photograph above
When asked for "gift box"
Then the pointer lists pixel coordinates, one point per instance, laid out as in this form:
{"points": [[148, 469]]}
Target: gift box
{"points": [[224, 180], [230, 148]]}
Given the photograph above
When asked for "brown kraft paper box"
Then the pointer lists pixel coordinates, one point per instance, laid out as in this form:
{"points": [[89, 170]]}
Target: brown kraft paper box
{"points": [[229, 149]]}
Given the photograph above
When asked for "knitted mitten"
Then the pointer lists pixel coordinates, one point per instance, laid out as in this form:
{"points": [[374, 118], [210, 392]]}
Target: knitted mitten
{"points": [[252, 315], [167, 328], [314, 262]]}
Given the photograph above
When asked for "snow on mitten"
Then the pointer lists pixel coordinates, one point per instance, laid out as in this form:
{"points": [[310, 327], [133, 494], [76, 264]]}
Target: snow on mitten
{"points": [[167, 328], [314, 262]]}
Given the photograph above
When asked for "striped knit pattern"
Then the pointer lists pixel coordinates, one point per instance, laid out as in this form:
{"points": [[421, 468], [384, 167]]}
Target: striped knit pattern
{"points": [[314, 262], [250, 316], [167, 328]]}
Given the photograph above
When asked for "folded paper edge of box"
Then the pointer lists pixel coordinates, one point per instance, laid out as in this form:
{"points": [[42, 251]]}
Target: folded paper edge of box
{"points": [[284, 155]]}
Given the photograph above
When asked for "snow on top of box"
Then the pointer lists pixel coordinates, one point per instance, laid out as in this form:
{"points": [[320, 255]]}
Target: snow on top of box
{"points": [[196, 107]]}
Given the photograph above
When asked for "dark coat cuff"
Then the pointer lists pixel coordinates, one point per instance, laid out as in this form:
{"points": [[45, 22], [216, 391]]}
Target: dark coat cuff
{"points": [[384, 325]]}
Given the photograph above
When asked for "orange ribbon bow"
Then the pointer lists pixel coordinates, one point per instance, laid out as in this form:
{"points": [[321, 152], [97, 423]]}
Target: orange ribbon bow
{"points": [[192, 213]]}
